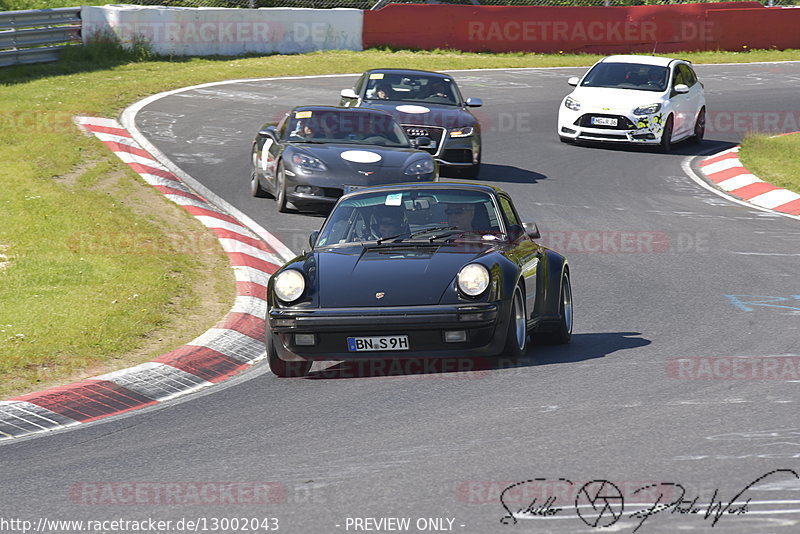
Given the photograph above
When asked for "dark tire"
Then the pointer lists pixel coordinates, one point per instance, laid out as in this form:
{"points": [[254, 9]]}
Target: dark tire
{"points": [[280, 188], [255, 184], [666, 136], [470, 172], [282, 368], [517, 333], [699, 127], [563, 333]]}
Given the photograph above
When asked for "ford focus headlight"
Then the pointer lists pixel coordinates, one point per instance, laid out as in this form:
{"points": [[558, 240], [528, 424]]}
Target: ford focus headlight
{"points": [[462, 132], [289, 285], [571, 103], [308, 162], [473, 279], [647, 110], [422, 166]]}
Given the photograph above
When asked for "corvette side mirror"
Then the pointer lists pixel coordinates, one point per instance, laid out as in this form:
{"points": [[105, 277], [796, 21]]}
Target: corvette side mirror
{"points": [[268, 131], [532, 230], [348, 93], [421, 141]]}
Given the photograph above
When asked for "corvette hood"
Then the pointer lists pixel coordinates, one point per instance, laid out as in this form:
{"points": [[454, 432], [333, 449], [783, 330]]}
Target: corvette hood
{"points": [[618, 101], [356, 157], [424, 114], [407, 276]]}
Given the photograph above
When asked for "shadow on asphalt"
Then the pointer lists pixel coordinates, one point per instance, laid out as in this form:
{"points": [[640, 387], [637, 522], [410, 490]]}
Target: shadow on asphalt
{"points": [[583, 347], [491, 172], [684, 148]]}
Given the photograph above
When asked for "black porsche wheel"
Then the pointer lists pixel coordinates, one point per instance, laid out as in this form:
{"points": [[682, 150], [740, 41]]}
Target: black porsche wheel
{"points": [[255, 185], [517, 335], [282, 368], [280, 188], [563, 333], [666, 136], [699, 127]]}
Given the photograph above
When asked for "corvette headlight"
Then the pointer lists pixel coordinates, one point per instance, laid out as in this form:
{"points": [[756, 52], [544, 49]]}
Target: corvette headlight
{"points": [[289, 285], [647, 110], [473, 279], [462, 132], [422, 166], [571, 103], [308, 162]]}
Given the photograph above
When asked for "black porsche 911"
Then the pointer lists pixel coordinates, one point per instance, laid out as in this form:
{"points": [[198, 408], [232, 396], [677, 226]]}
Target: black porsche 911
{"points": [[417, 271], [426, 104], [315, 153]]}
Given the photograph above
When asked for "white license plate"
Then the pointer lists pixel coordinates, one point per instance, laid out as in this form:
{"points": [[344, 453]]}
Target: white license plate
{"points": [[604, 121], [362, 344]]}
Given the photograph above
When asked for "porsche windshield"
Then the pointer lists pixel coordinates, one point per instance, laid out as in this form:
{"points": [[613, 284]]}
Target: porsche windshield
{"points": [[411, 88], [628, 76], [412, 215], [345, 126]]}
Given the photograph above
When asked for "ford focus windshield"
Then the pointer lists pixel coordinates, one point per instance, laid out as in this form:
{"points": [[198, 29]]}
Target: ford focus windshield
{"points": [[628, 76]]}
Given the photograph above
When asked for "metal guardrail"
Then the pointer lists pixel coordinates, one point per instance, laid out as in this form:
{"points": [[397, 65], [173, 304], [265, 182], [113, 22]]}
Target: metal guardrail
{"points": [[37, 35]]}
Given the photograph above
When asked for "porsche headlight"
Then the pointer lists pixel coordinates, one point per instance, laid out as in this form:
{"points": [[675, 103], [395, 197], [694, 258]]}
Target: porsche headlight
{"points": [[422, 166], [473, 279], [289, 285], [462, 132], [647, 110], [571, 103], [308, 162]]}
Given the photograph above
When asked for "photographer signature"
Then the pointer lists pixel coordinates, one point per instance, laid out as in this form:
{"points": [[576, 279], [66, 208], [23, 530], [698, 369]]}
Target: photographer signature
{"points": [[600, 503]]}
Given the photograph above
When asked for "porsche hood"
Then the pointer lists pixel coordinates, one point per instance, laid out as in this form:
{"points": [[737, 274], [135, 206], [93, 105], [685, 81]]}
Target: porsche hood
{"points": [[420, 275]]}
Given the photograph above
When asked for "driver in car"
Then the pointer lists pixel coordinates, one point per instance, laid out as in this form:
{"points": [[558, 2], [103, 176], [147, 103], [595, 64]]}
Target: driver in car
{"points": [[461, 216], [389, 221]]}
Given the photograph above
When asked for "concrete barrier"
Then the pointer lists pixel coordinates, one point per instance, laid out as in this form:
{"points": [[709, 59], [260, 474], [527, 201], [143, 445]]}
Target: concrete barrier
{"points": [[229, 32]]}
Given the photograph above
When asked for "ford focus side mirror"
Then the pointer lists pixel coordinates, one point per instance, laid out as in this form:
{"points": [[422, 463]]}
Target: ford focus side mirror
{"points": [[573, 81]]}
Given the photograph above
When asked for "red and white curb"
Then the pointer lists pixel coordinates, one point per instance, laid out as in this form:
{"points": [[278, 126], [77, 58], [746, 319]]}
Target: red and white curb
{"points": [[726, 171], [233, 345]]}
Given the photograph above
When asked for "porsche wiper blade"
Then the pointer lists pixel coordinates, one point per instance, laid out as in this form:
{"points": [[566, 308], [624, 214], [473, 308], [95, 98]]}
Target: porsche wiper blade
{"points": [[408, 235]]}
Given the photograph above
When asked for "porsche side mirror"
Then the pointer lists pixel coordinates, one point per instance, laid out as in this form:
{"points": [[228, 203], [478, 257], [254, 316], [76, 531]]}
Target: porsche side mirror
{"points": [[681, 89], [474, 102], [532, 230], [313, 238], [421, 141], [267, 131], [573, 81], [348, 93]]}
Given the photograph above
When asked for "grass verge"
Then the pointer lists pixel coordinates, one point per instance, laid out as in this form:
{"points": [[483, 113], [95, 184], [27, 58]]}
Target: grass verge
{"points": [[773, 159], [88, 279]]}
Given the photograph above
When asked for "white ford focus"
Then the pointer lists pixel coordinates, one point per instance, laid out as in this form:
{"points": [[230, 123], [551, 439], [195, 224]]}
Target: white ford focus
{"points": [[635, 99]]}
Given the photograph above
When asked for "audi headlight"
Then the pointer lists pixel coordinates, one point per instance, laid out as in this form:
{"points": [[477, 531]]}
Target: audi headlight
{"points": [[473, 279], [462, 132], [647, 110], [289, 285], [422, 166], [308, 162], [571, 103]]}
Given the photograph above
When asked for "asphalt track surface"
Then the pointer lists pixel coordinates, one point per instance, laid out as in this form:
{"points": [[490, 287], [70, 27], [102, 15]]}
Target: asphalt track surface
{"points": [[355, 442]]}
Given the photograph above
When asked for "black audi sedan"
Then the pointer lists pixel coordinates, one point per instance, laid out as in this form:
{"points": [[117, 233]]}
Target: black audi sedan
{"points": [[417, 271], [426, 104], [315, 153]]}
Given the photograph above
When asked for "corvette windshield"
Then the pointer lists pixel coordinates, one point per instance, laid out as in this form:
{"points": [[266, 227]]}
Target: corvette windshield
{"points": [[627, 76], [346, 126], [421, 215], [411, 88]]}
